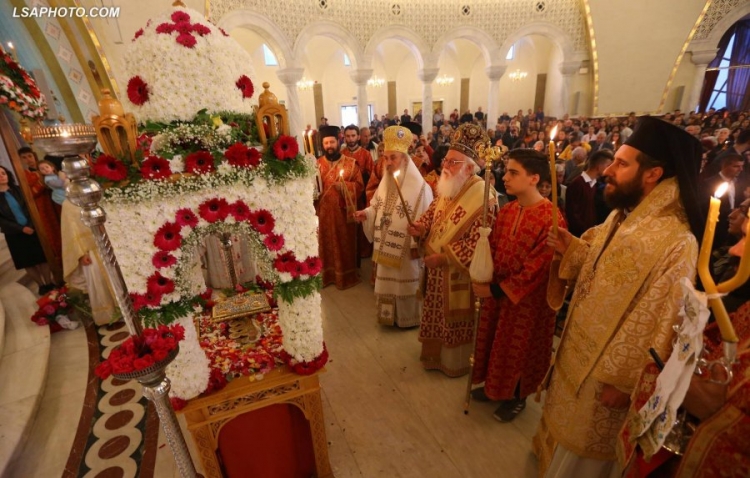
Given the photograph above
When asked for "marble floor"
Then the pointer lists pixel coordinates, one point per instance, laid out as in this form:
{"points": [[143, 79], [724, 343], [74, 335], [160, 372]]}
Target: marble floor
{"points": [[385, 415]]}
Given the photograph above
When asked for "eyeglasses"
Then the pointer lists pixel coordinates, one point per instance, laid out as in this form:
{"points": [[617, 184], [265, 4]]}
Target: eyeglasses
{"points": [[452, 162]]}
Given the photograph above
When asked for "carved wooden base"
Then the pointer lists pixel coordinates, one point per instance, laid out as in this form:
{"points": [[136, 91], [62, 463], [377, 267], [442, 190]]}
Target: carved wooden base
{"points": [[207, 415]]}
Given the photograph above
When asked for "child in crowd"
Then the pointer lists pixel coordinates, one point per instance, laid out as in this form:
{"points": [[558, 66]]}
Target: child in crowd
{"points": [[56, 181], [545, 189]]}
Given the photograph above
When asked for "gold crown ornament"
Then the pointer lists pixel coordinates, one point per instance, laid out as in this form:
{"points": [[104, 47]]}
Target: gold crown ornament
{"points": [[469, 139], [397, 138]]}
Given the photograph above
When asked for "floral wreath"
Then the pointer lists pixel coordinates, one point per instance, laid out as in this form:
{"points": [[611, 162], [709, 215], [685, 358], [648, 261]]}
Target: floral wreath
{"points": [[18, 90]]}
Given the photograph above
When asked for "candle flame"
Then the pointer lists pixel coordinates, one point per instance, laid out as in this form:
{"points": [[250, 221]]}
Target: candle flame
{"points": [[553, 134], [395, 175], [721, 190], [341, 173], [10, 45]]}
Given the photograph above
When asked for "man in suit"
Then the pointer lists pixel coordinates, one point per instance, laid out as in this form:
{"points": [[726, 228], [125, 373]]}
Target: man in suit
{"points": [[405, 118], [731, 168], [580, 207], [601, 143]]}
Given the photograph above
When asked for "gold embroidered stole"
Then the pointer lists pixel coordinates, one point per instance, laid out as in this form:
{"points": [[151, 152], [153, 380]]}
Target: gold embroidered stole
{"points": [[616, 268], [454, 217]]}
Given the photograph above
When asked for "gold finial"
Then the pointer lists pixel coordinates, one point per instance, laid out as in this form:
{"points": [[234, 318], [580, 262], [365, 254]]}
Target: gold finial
{"points": [[267, 98], [490, 153], [178, 3], [109, 105]]}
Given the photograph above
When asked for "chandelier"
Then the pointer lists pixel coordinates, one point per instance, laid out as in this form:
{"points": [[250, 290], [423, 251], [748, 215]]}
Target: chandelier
{"points": [[444, 80], [375, 82], [305, 84], [518, 75]]}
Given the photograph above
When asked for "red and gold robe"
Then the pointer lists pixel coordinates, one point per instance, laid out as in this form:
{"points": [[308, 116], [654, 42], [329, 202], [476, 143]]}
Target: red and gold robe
{"points": [[337, 230], [446, 329], [364, 161], [514, 339], [374, 182]]}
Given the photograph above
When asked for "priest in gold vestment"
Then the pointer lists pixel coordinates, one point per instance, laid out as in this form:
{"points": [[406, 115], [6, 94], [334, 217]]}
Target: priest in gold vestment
{"points": [[626, 298], [449, 231]]}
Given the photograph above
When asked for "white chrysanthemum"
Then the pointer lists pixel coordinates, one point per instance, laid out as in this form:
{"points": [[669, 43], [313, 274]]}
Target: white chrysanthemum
{"points": [[189, 372], [302, 328], [189, 77]]}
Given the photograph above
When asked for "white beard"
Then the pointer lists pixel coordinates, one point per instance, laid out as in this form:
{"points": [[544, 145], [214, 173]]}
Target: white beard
{"points": [[450, 185], [390, 184]]}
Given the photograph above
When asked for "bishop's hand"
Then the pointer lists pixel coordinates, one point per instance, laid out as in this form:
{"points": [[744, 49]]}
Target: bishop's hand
{"points": [[416, 229], [559, 241], [360, 216], [434, 261]]}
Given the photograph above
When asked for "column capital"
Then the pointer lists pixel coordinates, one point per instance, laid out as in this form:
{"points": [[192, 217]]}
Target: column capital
{"points": [[290, 76], [360, 76], [568, 68], [428, 75], [703, 57], [495, 72]]}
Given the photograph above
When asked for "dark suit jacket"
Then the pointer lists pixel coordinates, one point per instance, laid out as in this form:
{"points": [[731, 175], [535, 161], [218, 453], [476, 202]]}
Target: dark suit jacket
{"points": [[580, 211], [596, 147]]}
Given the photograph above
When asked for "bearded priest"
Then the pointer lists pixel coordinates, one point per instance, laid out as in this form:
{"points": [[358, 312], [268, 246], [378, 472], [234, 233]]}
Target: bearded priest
{"points": [[385, 222], [337, 233], [449, 231]]}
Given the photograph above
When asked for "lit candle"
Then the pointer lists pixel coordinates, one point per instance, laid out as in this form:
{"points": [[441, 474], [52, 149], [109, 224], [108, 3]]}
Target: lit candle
{"points": [[720, 313], [553, 172], [12, 51], [403, 203]]}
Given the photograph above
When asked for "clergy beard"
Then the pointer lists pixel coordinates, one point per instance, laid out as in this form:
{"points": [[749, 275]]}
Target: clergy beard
{"points": [[450, 184], [390, 184], [352, 146], [332, 154], [625, 196]]}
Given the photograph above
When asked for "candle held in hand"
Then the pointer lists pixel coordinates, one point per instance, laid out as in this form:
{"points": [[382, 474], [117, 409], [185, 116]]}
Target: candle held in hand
{"points": [[401, 197], [553, 178]]}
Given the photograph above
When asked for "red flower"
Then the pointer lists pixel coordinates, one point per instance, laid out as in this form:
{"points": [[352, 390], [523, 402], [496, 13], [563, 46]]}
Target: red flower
{"points": [[103, 370], [145, 300], [155, 167], [240, 155], [314, 265], [297, 269], [183, 27], [186, 40], [165, 28], [178, 332], [274, 242], [201, 30], [144, 142], [285, 148], [199, 162], [168, 237], [212, 210], [285, 262], [137, 90], [262, 221], [245, 85], [143, 362], [180, 16], [110, 168], [163, 259], [178, 403], [239, 210], [186, 217], [159, 285], [138, 34]]}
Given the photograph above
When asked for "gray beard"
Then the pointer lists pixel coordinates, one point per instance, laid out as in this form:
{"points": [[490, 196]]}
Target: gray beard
{"points": [[449, 187]]}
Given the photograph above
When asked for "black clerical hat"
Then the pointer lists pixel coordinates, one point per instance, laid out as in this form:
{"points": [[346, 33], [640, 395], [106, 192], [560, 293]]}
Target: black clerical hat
{"points": [[327, 131], [415, 128]]}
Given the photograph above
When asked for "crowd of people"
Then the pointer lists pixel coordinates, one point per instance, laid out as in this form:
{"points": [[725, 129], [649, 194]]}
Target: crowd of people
{"points": [[633, 194]]}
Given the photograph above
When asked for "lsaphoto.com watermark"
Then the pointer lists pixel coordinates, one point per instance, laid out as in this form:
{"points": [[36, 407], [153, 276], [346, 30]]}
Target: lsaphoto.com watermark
{"points": [[66, 12]]}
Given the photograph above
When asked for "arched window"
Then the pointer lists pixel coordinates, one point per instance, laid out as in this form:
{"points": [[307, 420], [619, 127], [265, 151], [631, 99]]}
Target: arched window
{"points": [[269, 57], [719, 95]]}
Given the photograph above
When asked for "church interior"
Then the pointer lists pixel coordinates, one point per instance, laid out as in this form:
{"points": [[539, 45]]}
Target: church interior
{"points": [[325, 390]]}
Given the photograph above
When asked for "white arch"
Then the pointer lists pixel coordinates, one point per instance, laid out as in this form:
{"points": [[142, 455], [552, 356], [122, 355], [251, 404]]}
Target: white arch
{"points": [[266, 28], [554, 33], [486, 44], [334, 31], [407, 36], [718, 31]]}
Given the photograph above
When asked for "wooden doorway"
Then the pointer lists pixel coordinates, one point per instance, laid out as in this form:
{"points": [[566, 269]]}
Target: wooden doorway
{"points": [[541, 87]]}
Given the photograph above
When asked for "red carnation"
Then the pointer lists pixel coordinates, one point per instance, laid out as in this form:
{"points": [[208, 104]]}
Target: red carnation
{"points": [[186, 40], [201, 30], [155, 167], [285, 262], [163, 259], [212, 210], [183, 27], [110, 168], [180, 16], [103, 370], [314, 265], [178, 403], [297, 269], [144, 142], [137, 90], [199, 162], [240, 155], [157, 284], [245, 85], [165, 28], [239, 211], [285, 148], [262, 221], [274, 242], [168, 237], [138, 34], [186, 217]]}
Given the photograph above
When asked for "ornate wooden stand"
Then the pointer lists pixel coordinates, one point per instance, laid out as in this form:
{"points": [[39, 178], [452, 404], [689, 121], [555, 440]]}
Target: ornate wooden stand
{"points": [[207, 415]]}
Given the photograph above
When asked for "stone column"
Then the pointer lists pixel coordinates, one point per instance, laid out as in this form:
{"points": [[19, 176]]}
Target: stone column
{"points": [[700, 59], [494, 73], [290, 76], [360, 77], [568, 69], [427, 76]]}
